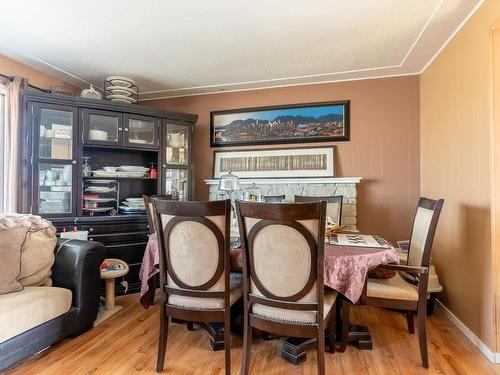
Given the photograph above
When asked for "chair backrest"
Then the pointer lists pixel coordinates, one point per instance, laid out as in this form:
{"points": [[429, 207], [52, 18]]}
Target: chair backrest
{"points": [[333, 207], [148, 204], [424, 228], [274, 198], [193, 239], [283, 248]]}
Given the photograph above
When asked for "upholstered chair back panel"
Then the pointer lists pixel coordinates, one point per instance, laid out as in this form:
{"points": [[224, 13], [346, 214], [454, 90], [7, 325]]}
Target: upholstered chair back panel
{"points": [[282, 258], [421, 227], [151, 208], [333, 211], [333, 206], [193, 251]]}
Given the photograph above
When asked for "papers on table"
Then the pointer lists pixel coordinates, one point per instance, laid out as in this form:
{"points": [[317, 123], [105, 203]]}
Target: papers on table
{"points": [[359, 240]]}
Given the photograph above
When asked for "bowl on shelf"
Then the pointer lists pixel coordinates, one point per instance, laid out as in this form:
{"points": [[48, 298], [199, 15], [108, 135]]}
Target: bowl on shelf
{"points": [[98, 135], [110, 169]]}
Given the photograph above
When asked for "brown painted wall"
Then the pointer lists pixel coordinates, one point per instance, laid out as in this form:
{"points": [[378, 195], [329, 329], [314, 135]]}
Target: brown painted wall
{"points": [[36, 77], [384, 146], [496, 177], [455, 135]]}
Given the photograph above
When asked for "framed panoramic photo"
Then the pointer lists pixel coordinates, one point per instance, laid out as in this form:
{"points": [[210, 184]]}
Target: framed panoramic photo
{"points": [[299, 123], [277, 163]]}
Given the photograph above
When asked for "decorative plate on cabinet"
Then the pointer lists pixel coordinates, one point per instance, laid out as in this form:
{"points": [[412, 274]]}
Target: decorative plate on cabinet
{"points": [[121, 98], [121, 81]]}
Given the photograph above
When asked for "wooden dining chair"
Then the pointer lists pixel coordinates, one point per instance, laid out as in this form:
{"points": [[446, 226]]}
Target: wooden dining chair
{"points": [[274, 198], [148, 204], [150, 213], [407, 290], [333, 208], [196, 284], [283, 250]]}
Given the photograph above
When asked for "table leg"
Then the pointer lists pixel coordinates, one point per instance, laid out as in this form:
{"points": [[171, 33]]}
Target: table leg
{"points": [[110, 294], [216, 333], [294, 348], [216, 330]]}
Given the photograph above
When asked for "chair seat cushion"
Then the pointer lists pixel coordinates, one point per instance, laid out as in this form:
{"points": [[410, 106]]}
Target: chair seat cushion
{"points": [[34, 305], [236, 291], [295, 316], [393, 288]]}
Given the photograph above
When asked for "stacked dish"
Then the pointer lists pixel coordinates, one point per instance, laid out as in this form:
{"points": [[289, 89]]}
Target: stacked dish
{"points": [[133, 206], [128, 171], [121, 89]]}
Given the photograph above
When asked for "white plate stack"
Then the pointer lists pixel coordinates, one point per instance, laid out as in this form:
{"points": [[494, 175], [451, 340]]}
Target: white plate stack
{"points": [[121, 89], [133, 205]]}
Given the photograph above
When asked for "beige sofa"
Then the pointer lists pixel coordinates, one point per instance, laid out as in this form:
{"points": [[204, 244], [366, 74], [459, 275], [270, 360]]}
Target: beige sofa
{"points": [[55, 293]]}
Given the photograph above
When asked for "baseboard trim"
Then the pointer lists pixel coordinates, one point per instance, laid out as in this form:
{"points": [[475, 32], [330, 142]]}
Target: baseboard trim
{"points": [[483, 348]]}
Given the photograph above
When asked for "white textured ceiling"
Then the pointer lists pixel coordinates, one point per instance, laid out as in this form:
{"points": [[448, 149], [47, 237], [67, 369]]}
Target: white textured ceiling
{"points": [[175, 48]]}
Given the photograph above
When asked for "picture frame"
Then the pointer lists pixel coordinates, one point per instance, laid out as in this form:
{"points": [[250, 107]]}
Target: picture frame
{"points": [[307, 162], [285, 124]]}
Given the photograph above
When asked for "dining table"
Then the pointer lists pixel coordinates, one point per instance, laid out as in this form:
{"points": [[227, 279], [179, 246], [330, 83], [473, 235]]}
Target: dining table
{"points": [[345, 270]]}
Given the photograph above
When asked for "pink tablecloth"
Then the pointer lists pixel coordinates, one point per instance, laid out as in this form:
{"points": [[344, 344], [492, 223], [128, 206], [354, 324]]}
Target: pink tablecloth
{"points": [[149, 268], [346, 268]]}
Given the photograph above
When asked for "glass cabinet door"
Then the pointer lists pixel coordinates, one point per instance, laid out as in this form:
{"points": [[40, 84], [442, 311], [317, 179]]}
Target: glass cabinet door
{"points": [[54, 161], [55, 189], [102, 127], [176, 183], [177, 138], [141, 131], [56, 134]]}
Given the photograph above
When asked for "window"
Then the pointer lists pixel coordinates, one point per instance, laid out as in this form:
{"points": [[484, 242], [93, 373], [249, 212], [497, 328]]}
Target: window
{"points": [[3, 121]]}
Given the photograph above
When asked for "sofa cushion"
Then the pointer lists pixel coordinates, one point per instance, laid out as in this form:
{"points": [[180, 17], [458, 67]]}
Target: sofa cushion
{"points": [[24, 310], [37, 256], [11, 240], [37, 251]]}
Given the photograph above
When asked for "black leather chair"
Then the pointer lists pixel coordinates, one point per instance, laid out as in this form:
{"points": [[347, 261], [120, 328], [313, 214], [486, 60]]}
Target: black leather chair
{"points": [[76, 268]]}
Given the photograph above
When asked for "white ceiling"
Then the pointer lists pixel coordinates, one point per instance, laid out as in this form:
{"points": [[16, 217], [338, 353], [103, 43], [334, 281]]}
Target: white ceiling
{"points": [[175, 48]]}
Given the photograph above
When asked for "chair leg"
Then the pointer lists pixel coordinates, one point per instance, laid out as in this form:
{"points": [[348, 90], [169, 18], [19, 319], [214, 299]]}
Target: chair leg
{"points": [[227, 342], [321, 351], [162, 342], [410, 321], [247, 344], [190, 326], [331, 334], [345, 311], [422, 335]]}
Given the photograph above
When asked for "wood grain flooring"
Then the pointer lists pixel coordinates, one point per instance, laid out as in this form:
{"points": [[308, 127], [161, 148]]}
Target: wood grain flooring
{"points": [[127, 343]]}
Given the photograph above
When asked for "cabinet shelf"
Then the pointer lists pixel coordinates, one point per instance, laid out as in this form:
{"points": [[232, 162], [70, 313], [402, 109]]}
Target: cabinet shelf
{"points": [[120, 178]]}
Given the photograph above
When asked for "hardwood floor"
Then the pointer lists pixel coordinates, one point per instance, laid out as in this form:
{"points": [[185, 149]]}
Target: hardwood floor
{"points": [[127, 344]]}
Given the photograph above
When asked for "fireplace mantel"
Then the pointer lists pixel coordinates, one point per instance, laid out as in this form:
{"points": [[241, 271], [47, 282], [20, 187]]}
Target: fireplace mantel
{"points": [[282, 181], [322, 186]]}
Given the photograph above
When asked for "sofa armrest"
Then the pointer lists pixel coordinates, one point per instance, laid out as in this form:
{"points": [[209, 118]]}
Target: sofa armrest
{"points": [[77, 268]]}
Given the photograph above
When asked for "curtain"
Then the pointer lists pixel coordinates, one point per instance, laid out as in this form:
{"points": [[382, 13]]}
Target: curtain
{"points": [[15, 147]]}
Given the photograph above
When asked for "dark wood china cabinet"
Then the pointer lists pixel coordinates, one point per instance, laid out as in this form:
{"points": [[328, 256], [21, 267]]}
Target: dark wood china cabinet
{"points": [[68, 132]]}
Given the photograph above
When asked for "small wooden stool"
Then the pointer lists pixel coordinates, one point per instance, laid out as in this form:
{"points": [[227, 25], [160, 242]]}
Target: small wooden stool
{"points": [[110, 276]]}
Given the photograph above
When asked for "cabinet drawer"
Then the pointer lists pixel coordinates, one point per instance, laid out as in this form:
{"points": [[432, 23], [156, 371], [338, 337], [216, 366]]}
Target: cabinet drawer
{"points": [[115, 228], [131, 237], [131, 253]]}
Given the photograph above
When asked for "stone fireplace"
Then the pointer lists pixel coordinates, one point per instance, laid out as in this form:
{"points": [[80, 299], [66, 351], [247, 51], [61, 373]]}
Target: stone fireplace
{"points": [[345, 186]]}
